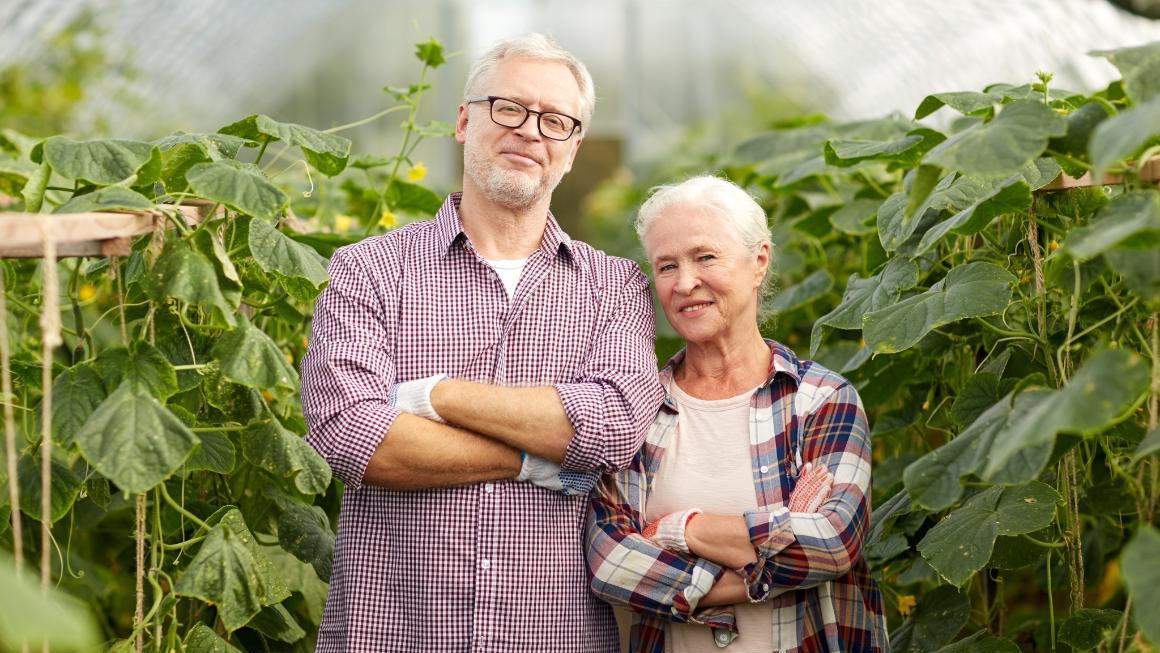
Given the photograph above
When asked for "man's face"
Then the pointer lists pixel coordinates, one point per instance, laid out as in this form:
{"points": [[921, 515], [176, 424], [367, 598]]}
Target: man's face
{"points": [[517, 167]]}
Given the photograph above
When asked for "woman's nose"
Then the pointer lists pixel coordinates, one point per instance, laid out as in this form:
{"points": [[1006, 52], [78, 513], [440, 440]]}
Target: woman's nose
{"points": [[687, 280]]}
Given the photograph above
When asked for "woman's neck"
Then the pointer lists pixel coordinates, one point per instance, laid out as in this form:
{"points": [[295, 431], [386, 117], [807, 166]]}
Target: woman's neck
{"points": [[724, 368]]}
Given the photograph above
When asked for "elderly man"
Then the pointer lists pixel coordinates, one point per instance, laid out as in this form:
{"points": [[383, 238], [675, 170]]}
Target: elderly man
{"points": [[469, 378]]}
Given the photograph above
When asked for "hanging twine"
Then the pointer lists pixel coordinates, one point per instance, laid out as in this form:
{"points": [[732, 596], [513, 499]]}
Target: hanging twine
{"points": [[50, 340]]}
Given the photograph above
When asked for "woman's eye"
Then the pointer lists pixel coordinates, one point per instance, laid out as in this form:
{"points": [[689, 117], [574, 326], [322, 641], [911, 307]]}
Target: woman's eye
{"points": [[666, 267], [706, 257]]}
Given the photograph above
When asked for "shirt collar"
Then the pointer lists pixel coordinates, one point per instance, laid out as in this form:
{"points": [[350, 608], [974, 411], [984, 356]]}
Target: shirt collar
{"points": [[449, 228], [782, 360]]}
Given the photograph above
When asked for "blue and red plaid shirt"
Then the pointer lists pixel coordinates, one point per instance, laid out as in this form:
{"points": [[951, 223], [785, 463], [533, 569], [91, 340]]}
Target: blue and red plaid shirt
{"points": [[809, 568]]}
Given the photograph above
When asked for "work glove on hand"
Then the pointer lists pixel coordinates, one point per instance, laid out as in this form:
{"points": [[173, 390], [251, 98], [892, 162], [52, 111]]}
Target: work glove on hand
{"points": [[812, 489], [415, 397], [549, 475], [669, 531]]}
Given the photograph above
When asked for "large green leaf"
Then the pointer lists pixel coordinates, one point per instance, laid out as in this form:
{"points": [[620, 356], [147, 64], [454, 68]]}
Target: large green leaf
{"points": [[285, 455], [961, 544], [215, 146], [934, 481], [202, 639], [1142, 575], [412, 198], [940, 615], [855, 216], [305, 532], [215, 454], [225, 575], [1125, 216], [810, 288], [326, 152], [133, 440], [76, 393], [965, 102], [1087, 627], [65, 485], [276, 622], [100, 162], [31, 614], [112, 198], [865, 295], [1123, 135], [141, 364], [1140, 68], [971, 290], [241, 187], [1139, 267], [1100, 393], [249, 357], [300, 269], [186, 274], [906, 150], [1010, 195], [1003, 146]]}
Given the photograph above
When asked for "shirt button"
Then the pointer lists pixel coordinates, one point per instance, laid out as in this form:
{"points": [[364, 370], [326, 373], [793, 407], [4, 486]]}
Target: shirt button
{"points": [[489, 487], [765, 587], [723, 637], [765, 469], [485, 564]]}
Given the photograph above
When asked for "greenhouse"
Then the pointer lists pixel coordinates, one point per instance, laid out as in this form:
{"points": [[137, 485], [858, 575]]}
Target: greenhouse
{"points": [[615, 326]]}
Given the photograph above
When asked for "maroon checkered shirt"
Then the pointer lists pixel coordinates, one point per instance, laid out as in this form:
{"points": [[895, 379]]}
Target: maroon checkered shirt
{"points": [[490, 566]]}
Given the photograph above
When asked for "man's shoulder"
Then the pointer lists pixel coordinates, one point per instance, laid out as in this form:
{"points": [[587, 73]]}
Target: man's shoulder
{"points": [[388, 247], [608, 270]]}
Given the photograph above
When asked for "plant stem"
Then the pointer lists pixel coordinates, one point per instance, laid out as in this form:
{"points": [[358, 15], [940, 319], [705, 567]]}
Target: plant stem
{"points": [[139, 588], [181, 509], [364, 121], [262, 151], [410, 129]]}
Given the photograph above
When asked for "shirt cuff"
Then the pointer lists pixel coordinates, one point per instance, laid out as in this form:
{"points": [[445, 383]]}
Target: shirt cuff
{"points": [[581, 403], [770, 532], [354, 435], [704, 575]]}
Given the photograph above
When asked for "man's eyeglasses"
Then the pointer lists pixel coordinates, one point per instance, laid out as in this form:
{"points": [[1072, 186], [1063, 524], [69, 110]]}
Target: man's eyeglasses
{"points": [[509, 113]]}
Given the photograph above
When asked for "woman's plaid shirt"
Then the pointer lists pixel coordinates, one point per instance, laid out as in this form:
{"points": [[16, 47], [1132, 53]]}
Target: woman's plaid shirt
{"points": [[809, 567], [495, 567]]}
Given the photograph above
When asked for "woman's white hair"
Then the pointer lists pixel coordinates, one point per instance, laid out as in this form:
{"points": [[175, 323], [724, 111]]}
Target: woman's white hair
{"points": [[743, 217], [537, 47]]}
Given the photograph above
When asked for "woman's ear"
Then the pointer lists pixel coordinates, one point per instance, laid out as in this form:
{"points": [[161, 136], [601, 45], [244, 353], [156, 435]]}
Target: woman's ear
{"points": [[763, 259]]}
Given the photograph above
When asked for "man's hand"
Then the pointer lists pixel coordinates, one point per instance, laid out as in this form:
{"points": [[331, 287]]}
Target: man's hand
{"points": [[669, 531], [812, 489], [415, 397], [550, 476]]}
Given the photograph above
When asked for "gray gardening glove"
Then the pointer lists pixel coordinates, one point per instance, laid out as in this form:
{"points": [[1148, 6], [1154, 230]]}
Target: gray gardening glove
{"points": [[550, 476]]}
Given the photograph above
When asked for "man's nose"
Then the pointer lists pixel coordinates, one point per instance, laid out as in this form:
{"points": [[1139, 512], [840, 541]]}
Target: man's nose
{"points": [[530, 129]]}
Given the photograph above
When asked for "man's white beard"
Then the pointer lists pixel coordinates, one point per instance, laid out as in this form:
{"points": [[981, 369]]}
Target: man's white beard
{"points": [[512, 189]]}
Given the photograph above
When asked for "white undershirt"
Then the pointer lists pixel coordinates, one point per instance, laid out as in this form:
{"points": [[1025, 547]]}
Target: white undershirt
{"points": [[707, 465], [509, 271]]}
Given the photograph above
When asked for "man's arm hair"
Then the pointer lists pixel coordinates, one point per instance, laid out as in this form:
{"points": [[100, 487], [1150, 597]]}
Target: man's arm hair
{"points": [[418, 454]]}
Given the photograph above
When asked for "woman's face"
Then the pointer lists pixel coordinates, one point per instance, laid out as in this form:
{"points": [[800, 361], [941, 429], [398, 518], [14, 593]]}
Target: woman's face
{"points": [[706, 279]]}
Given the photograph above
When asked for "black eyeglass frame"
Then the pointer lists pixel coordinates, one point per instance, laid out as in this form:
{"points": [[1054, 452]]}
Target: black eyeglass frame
{"points": [[490, 99]]}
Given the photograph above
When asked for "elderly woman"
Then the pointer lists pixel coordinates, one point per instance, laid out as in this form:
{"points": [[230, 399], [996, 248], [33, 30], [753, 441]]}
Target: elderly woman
{"points": [[740, 522]]}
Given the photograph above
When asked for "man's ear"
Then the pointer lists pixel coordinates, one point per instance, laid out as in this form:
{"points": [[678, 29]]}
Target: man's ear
{"points": [[461, 124], [572, 154]]}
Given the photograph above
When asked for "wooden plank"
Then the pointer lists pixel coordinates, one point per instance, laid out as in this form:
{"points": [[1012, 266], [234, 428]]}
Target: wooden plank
{"points": [[1150, 172], [82, 234]]}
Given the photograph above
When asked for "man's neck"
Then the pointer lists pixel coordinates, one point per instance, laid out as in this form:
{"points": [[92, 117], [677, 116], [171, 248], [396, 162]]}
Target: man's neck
{"points": [[499, 232]]}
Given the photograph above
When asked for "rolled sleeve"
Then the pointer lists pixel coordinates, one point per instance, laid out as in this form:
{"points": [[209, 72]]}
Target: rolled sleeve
{"points": [[617, 391], [347, 372], [804, 549], [630, 570]]}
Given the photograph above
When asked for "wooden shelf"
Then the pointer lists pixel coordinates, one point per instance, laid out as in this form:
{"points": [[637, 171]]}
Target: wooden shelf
{"points": [[83, 234], [1150, 172]]}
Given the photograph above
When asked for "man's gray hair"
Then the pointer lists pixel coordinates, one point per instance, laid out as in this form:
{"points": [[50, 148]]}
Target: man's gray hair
{"points": [[744, 218], [537, 47]]}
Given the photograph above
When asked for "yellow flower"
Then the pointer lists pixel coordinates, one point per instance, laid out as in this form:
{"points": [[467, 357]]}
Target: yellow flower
{"points": [[343, 223], [389, 220], [1053, 245], [417, 172], [906, 604], [86, 292]]}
